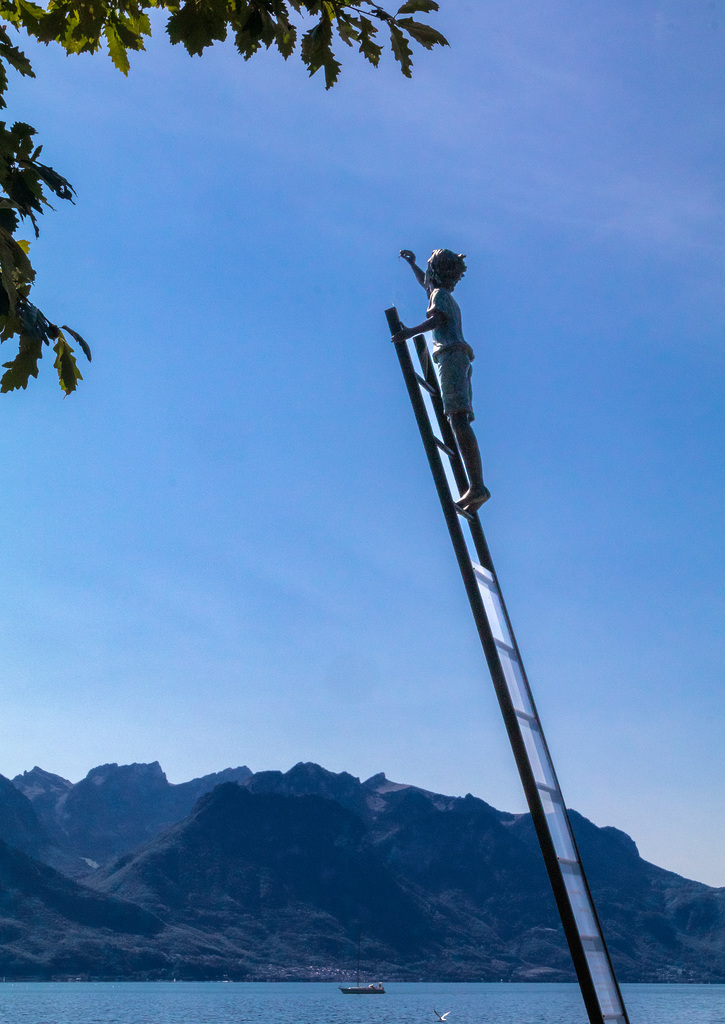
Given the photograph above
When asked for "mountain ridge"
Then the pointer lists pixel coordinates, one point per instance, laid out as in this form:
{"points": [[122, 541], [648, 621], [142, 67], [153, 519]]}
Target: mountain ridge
{"points": [[114, 809], [269, 875]]}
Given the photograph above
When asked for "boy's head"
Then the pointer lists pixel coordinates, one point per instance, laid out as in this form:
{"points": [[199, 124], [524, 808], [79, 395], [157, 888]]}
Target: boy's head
{"points": [[445, 268]]}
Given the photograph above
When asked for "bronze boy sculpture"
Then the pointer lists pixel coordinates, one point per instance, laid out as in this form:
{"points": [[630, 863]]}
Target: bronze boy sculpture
{"points": [[453, 356]]}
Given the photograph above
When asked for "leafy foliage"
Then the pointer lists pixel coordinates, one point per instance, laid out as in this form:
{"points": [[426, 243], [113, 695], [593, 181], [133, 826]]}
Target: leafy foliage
{"points": [[85, 26], [25, 182]]}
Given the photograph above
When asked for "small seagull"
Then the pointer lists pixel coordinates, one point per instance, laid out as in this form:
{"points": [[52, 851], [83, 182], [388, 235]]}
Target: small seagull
{"points": [[441, 1016]]}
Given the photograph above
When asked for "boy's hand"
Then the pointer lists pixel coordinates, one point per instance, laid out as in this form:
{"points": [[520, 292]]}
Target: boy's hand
{"points": [[400, 336], [407, 255]]}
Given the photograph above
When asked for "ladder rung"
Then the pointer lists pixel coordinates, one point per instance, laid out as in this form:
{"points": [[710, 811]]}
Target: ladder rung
{"points": [[486, 573], [506, 647], [470, 516], [424, 384], [443, 446]]}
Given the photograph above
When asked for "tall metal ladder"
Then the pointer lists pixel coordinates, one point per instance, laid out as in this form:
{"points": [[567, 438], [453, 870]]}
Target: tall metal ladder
{"points": [[601, 993]]}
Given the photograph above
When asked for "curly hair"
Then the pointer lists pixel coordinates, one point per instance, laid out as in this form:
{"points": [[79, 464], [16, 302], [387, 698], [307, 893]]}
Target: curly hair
{"points": [[446, 268]]}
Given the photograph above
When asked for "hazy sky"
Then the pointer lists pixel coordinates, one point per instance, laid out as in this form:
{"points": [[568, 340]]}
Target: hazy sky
{"points": [[226, 548]]}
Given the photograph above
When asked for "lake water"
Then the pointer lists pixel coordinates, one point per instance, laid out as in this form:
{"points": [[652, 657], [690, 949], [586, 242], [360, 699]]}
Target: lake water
{"points": [[294, 1003]]}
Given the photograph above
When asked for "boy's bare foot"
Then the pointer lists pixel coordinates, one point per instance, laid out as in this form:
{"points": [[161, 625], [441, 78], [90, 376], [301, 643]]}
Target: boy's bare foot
{"points": [[472, 500]]}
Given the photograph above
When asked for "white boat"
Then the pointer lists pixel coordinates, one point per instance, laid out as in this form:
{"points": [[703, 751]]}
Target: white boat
{"points": [[373, 989]]}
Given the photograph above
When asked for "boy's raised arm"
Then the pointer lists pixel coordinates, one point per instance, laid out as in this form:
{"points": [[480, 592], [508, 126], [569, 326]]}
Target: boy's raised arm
{"points": [[409, 257]]}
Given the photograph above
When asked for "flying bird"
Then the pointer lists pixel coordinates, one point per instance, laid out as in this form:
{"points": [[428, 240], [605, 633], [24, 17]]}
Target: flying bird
{"points": [[441, 1016]]}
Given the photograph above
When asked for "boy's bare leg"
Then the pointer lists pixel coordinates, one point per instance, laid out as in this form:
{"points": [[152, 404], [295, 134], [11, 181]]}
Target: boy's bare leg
{"points": [[477, 492]]}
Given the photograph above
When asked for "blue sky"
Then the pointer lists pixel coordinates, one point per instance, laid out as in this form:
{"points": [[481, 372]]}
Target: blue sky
{"points": [[226, 547]]}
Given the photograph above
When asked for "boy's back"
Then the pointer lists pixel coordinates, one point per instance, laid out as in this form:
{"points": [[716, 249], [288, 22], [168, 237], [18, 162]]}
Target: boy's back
{"points": [[448, 334]]}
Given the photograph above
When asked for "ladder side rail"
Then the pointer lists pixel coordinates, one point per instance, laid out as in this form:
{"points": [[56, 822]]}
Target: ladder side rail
{"points": [[488, 643], [485, 559], [584, 880], [501, 688]]}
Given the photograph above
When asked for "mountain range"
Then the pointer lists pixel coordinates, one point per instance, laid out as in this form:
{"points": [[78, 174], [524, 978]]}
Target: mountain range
{"points": [[269, 875]]}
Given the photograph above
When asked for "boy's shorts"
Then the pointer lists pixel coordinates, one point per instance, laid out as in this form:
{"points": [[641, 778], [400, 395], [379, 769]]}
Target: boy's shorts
{"points": [[454, 376]]}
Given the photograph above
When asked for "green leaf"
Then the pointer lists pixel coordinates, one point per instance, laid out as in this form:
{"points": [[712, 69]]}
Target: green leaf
{"points": [[55, 182], [9, 222], [423, 34], [25, 365], [401, 50], [81, 341], [249, 27], [116, 50], [286, 40], [30, 11], [317, 51], [33, 322], [370, 50], [131, 31], [7, 268], [348, 31], [15, 58], [418, 7], [314, 43], [24, 14], [16, 267], [198, 24], [65, 364]]}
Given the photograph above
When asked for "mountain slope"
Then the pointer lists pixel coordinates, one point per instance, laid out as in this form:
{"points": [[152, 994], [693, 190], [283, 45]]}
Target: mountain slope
{"points": [[52, 925], [19, 824], [458, 892], [280, 875], [270, 875]]}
